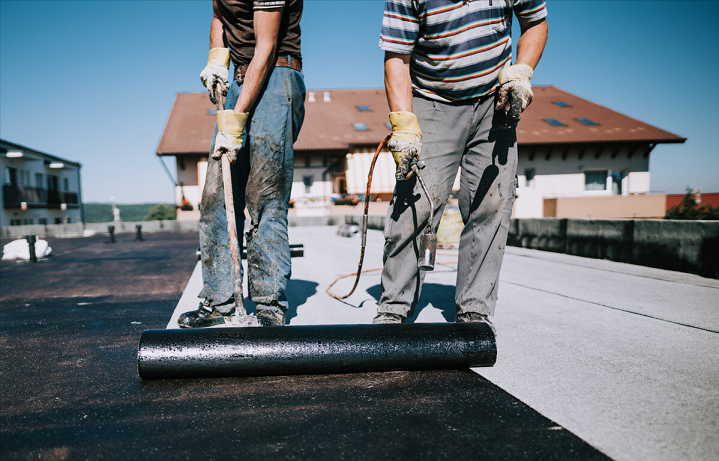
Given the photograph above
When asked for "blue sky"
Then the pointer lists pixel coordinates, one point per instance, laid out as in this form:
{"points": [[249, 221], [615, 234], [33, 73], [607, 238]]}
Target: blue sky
{"points": [[94, 81]]}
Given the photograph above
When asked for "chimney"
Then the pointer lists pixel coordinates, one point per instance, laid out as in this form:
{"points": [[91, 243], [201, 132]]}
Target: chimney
{"points": [[327, 96], [312, 97]]}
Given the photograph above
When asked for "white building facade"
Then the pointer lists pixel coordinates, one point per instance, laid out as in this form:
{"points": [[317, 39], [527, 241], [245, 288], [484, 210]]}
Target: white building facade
{"points": [[551, 172], [38, 188]]}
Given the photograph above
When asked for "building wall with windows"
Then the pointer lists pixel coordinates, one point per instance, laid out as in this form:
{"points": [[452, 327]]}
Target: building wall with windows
{"points": [[574, 150], [191, 171], [38, 188], [568, 148], [580, 171]]}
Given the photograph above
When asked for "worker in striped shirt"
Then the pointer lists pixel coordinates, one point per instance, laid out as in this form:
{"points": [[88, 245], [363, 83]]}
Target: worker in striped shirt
{"points": [[455, 98]]}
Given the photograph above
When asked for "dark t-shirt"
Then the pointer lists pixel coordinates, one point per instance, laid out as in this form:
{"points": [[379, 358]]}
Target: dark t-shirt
{"points": [[239, 35]]}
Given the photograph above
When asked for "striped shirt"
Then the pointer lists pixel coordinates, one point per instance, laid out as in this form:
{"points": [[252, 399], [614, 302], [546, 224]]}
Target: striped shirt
{"points": [[458, 47]]}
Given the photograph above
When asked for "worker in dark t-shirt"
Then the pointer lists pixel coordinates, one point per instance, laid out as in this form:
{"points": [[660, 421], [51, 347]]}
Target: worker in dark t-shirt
{"points": [[264, 110]]}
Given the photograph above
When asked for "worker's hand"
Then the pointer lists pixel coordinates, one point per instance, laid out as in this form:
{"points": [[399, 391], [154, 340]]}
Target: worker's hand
{"points": [[230, 134], [515, 91], [216, 72], [405, 143]]}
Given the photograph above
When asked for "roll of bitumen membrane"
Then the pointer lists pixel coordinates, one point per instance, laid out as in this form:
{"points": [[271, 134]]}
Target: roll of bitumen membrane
{"points": [[325, 349]]}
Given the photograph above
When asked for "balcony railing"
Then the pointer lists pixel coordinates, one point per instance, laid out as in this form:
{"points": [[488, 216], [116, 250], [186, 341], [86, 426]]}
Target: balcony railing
{"points": [[37, 197]]}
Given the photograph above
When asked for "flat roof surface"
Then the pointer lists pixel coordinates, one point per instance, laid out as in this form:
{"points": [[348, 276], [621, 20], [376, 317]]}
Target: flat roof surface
{"points": [[595, 359]]}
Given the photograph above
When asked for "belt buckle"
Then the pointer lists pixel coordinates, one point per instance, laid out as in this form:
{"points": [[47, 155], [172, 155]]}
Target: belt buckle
{"points": [[239, 77]]}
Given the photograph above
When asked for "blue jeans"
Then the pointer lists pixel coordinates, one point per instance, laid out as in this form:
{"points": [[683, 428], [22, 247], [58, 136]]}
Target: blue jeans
{"points": [[261, 180]]}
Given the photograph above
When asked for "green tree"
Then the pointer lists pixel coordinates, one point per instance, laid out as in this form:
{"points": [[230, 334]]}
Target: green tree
{"points": [[708, 212], [160, 212], [688, 208]]}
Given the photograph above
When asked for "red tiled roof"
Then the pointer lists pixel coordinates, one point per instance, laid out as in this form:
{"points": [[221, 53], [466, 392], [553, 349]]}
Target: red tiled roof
{"points": [[189, 127], [611, 126], [711, 198], [328, 125]]}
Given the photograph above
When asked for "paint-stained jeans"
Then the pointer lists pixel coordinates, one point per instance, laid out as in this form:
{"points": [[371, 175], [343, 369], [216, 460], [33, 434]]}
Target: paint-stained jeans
{"points": [[467, 135], [262, 180]]}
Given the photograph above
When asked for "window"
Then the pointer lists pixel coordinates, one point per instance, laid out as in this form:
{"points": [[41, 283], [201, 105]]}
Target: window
{"points": [[360, 126], [561, 104], [586, 121], [58, 220], [42, 221], [38, 180], [553, 122], [604, 180], [11, 176], [595, 180], [363, 108], [66, 184], [308, 181], [529, 176], [615, 177], [53, 182]]}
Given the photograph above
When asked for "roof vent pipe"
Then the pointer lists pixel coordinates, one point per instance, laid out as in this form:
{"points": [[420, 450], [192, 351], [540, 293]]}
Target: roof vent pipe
{"points": [[327, 96], [311, 97]]}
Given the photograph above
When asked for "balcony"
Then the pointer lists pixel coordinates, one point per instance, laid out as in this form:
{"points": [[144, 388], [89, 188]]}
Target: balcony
{"points": [[36, 197]]}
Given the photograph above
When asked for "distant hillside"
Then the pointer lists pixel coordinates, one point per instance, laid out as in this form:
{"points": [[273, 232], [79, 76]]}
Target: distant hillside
{"points": [[102, 212]]}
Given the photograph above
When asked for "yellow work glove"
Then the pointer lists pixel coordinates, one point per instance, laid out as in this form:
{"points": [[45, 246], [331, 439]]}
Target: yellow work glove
{"points": [[405, 143], [230, 134], [216, 72], [515, 91]]}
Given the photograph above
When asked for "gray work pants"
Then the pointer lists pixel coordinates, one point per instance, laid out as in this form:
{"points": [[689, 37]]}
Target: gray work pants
{"points": [[469, 135]]}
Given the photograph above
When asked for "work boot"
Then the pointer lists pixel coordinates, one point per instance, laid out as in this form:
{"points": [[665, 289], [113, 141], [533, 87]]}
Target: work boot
{"points": [[205, 316], [270, 316], [475, 317], [387, 317]]}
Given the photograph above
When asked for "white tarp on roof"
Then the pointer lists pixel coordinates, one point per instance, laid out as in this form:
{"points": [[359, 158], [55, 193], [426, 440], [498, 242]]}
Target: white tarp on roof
{"points": [[19, 249]]}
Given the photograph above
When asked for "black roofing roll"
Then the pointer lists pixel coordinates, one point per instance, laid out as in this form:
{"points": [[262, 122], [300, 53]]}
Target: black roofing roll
{"points": [[324, 349]]}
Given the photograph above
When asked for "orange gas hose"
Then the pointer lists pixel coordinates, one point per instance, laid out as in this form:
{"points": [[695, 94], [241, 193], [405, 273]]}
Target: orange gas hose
{"points": [[364, 272], [364, 226]]}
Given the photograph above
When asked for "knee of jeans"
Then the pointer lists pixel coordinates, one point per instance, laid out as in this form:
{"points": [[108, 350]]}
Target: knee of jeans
{"points": [[267, 208]]}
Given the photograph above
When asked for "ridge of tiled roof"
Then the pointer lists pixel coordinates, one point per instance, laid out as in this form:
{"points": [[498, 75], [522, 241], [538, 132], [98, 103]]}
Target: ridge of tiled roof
{"points": [[328, 123]]}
